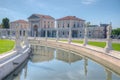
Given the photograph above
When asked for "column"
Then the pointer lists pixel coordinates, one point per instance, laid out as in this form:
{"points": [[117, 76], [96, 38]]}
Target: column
{"points": [[46, 34], [57, 35], [85, 34], [17, 40], [70, 32], [34, 34], [109, 40], [26, 38], [22, 31]]}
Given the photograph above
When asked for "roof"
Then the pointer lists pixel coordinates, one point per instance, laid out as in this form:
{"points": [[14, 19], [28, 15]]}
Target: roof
{"points": [[19, 21], [70, 18], [42, 16]]}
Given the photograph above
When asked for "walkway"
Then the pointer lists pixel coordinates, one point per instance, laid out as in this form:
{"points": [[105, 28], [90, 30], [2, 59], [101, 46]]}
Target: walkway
{"points": [[115, 54]]}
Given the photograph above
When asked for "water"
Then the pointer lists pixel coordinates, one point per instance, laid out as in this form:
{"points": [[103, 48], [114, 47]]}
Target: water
{"points": [[54, 64]]}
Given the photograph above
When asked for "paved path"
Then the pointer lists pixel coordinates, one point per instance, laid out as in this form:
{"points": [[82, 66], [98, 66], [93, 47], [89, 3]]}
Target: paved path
{"points": [[115, 54]]}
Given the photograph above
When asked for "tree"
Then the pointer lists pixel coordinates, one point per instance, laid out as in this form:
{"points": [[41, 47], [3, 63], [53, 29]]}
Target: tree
{"points": [[5, 23], [116, 32]]}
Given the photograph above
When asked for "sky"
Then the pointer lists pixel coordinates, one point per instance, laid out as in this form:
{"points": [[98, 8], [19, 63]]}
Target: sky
{"points": [[94, 11]]}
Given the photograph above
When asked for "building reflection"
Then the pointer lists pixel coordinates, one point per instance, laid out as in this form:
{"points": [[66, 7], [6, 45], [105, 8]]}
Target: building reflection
{"points": [[41, 54], [67, 56]]}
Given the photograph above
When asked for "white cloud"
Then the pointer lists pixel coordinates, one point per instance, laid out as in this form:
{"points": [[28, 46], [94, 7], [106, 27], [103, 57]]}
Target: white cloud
{"points": [[87, 2]]}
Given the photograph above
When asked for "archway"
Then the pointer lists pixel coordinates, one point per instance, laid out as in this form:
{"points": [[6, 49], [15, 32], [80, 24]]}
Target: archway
{"points": [[35, 30]]}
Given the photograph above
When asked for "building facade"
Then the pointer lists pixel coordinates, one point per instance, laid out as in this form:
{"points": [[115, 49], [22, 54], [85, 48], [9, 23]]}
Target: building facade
{"points": [[97, 31], [39, 23], [70, 22], [22, 24]]}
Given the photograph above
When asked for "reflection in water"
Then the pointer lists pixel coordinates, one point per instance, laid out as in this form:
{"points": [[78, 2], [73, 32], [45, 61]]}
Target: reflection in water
{"points": [[109, 74], [54, 64], [42, 54], [67, 56], [85, 65]]}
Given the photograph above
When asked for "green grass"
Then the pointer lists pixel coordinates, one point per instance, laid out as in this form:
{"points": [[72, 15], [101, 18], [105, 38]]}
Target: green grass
{"points": [[99, 44], [116, 46], [6, 45]]}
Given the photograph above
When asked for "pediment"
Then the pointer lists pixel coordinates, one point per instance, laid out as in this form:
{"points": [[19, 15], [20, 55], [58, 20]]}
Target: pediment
{"points": [[33, 17]]}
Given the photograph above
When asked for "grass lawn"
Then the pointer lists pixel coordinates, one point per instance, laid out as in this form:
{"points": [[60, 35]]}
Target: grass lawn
{"points": [[6, 45], [116, 46]]}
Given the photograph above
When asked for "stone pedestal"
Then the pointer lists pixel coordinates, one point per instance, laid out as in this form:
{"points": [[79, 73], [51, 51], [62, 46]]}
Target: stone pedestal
{"points": [[109, 40]]}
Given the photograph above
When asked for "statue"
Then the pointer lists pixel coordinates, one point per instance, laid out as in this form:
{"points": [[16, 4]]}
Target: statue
{"points": [[109, 40]]}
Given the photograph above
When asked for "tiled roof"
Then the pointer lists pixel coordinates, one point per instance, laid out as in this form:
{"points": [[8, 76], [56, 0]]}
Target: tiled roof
{"points": [[70, 18], [44, 16], [19, 21]]}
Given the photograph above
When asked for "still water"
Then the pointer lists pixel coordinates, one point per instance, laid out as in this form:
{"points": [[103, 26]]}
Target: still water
{"points": [[54, 64]]}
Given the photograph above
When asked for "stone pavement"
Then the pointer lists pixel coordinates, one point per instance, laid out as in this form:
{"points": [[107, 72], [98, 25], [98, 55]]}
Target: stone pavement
{"points": [[113, 53]]}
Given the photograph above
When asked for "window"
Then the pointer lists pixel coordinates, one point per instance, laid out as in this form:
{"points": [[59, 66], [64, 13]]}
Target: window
{"points": [[63, 25], [78, 25], [74, 25], [63, 33], [68, 26], [58, 25]]}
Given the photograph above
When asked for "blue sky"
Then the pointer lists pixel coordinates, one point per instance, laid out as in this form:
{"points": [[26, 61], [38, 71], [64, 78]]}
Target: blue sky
{"points": [[95, 11]]}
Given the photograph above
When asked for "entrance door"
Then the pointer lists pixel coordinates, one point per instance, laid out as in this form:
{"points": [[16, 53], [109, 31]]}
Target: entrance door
{"points": [[36, 30]]}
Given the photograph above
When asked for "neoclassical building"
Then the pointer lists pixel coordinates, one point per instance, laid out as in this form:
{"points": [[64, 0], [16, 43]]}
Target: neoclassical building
{"points": [[70, 22], [97, 31], [22, 24], [39, 22]]}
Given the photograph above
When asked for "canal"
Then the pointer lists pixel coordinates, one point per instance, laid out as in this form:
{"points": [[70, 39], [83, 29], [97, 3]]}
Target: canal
{"points": [[48, 63]]}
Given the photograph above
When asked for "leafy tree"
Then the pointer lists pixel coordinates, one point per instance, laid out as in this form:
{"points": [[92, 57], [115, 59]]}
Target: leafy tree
{"points": [[116, 32], [5, 23]]}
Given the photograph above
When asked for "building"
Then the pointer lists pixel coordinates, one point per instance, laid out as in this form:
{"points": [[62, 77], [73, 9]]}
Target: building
{"points": [[39, 22], [22, 24], [97, 31], [76, 24]]}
